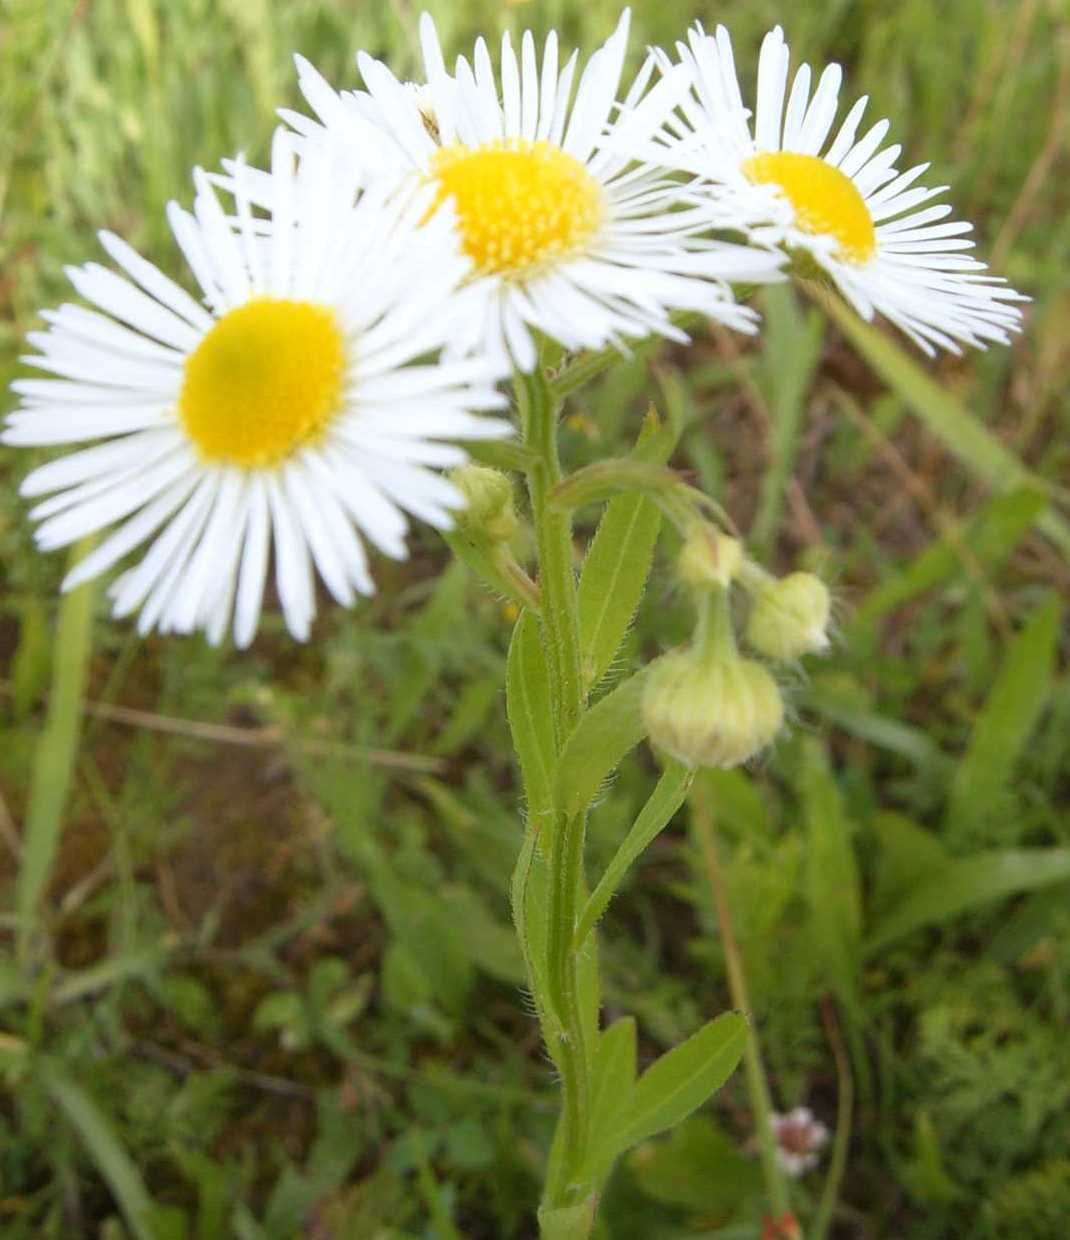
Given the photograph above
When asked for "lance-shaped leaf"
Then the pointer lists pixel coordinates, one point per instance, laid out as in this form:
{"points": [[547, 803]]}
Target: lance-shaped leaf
{"points": [[619, 559], [614, 577], [531, 722], [528, 706], [682, 1079], [612, 1087], [604, 734], [664, 801]]}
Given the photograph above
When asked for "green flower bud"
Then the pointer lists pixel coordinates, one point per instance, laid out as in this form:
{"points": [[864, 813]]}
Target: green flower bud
{"points": [[711, 712], [788, 618], [709, 557], [488, 515]]}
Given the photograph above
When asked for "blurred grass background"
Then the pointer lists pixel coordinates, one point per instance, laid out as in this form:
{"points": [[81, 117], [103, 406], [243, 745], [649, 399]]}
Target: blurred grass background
{"points": [[273, 992]]}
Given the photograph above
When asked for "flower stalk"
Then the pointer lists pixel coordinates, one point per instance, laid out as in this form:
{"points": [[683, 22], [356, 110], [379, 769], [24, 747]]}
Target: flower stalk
{"points": [[559, 616]]}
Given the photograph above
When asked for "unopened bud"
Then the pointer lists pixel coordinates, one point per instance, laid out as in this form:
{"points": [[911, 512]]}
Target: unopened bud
{"points": [[711, 712], [789, 617], [709, 557], [488, 515]]}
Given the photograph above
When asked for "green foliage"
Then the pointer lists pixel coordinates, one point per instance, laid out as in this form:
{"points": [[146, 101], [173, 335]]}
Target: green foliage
{"points": [[602, 738]]}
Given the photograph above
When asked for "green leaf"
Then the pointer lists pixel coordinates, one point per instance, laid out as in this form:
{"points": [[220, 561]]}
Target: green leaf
{"points": [[613, 1083], [603, 736], [594, 484], [528, 705], [960, 432], [620, 556], [1004, 727], [968, 883], [530, 713], [832, 886], [504, 454], [614, 576], [664, 801], [112, 1161], [682, 1079], [55, 754]]}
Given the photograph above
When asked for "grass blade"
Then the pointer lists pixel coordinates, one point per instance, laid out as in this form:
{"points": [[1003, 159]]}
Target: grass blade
{"points": [[103, 1145], [1005, 725], [960, 432], [960, 886], [54, 756]]}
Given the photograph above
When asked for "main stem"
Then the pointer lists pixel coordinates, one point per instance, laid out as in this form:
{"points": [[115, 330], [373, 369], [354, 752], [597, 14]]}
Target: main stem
{"points": [[757, 1086], [559, 613]]}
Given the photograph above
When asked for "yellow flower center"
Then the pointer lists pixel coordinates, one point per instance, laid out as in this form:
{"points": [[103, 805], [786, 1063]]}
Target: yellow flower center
{"points": [[265, 380], [826, 200], [520, 204]]}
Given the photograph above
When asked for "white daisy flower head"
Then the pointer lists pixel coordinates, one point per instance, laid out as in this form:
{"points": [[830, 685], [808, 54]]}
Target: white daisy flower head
{"points": [[303, 410], [572, 235], [840, 202]]}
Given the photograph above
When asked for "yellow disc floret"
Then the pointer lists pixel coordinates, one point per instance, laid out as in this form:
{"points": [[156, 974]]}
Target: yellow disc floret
{"points": [[265, 380], [520, 205], [826, 201]]}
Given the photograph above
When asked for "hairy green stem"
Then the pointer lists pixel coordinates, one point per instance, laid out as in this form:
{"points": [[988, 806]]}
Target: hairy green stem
{"points": [[559, 615]]}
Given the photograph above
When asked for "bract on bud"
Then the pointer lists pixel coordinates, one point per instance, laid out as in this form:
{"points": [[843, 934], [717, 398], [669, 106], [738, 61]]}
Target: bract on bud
{"points": [[789, 617], [488, 515], [711, 712], [709, 557]]}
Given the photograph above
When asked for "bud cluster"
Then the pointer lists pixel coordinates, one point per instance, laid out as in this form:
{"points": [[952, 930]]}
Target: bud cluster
{"points": [[708, 705]]}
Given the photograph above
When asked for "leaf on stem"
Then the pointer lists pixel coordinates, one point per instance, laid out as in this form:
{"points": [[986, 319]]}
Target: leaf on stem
{"points": [[530, 712], [684, 1078], [613, 1083], [664, 801], [603, 736], [619, 560], [613, 580]]}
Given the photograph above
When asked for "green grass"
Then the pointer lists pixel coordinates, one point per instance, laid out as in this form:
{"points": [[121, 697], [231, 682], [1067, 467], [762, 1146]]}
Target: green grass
{"points": [[272, 989]]}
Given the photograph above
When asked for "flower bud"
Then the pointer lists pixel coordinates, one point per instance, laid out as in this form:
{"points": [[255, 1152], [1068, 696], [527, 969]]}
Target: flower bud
{"points": [[488, 514], [709, 557], [788, 618], [711, 712]]}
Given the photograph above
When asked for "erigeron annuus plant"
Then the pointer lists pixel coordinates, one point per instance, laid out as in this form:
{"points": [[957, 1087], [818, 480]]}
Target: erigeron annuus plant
{"points": [[360, 305]]}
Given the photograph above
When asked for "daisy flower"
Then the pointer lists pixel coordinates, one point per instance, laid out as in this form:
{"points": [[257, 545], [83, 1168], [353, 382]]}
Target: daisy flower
{"points": [[302, 410], [842, 201], [572, 235]]}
